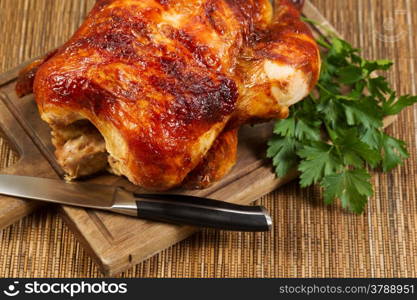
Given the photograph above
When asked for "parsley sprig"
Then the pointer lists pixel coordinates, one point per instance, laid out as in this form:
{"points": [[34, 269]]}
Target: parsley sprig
{"points": [[336, 134]]}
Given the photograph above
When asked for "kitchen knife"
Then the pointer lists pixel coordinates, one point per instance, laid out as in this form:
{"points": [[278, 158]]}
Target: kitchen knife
{"points": [[179, 209]]}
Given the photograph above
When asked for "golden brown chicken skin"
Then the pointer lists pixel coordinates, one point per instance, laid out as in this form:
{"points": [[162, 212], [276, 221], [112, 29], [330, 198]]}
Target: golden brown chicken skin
{"points": [[165, 83], [216, 164]]}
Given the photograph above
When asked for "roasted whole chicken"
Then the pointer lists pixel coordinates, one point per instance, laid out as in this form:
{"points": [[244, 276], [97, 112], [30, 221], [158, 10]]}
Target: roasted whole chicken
{"points": [[156, 90]]}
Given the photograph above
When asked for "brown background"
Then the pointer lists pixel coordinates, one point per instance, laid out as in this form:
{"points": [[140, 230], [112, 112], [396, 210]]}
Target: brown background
{"points": [[308, 239]]}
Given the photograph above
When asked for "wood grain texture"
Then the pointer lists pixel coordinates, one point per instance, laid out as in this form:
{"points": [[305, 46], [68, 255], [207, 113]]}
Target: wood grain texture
{"points": [[308, 239]]}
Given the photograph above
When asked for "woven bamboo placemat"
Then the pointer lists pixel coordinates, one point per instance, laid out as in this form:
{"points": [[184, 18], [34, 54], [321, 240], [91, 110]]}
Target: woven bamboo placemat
{"points": [[308, 239]]}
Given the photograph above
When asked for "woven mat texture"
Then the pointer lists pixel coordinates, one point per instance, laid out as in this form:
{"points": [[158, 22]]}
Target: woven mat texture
{"points": [[308, 239]]}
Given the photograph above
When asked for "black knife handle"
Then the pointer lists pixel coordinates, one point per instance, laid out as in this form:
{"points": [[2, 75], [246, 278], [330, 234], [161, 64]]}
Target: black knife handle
{"points": [[202, 212]]}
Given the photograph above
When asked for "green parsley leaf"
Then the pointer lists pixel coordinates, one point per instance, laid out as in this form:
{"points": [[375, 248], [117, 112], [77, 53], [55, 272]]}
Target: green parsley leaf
{"points": [[379, 87], [307, 130], [352, 187], [283, 154], [355, 152], [285, 127], [394, 152], [350, 74], [394, 106], [371, 66], [318, 160], [366, 113], [372, 137]]}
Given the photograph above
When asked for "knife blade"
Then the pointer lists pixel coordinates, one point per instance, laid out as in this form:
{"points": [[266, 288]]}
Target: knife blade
{"points": [[178, 209]]}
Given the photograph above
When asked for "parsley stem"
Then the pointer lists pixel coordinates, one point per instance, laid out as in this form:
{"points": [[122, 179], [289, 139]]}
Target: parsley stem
{"points": [[325, 90], [323, 43]]}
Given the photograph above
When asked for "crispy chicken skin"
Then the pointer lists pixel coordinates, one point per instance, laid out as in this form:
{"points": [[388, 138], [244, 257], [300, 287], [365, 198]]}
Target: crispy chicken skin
{"points": [[165, 85], [216, 164]]}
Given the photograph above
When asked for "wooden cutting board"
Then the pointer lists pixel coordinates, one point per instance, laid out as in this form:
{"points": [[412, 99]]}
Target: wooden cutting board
{"points": [[117, 242]]}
